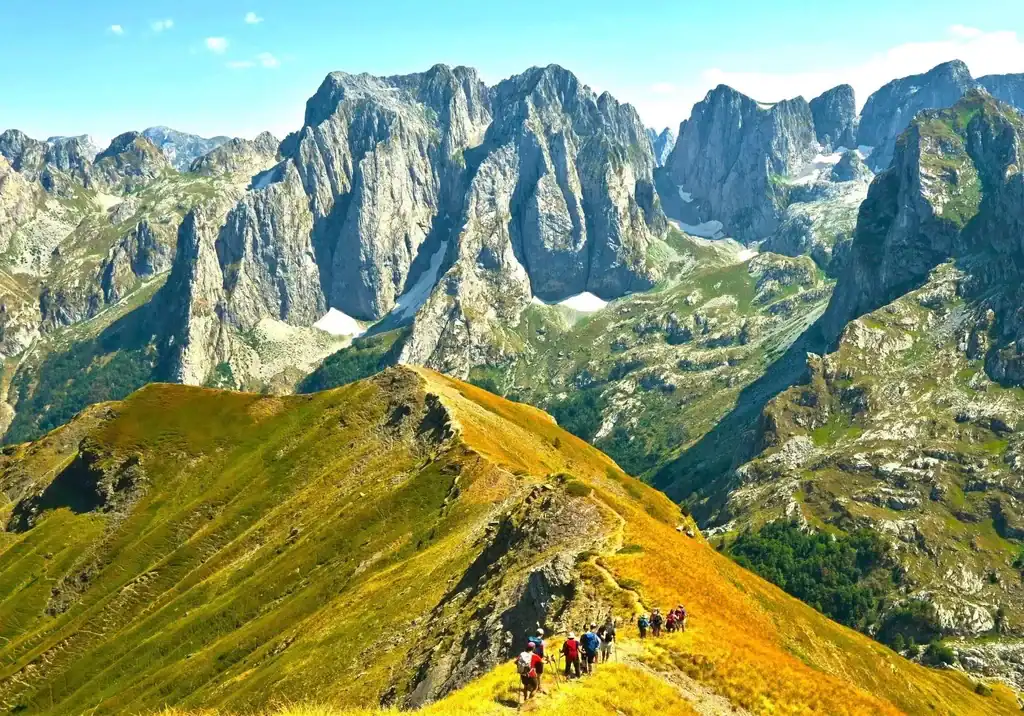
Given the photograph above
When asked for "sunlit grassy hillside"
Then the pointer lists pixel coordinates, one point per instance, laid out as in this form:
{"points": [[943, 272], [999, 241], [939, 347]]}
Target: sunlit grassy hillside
{"points": [[384, 544]]}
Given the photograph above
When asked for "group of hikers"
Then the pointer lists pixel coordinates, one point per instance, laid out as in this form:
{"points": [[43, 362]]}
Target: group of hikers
{"points": [[582, 654], [674, 621]]}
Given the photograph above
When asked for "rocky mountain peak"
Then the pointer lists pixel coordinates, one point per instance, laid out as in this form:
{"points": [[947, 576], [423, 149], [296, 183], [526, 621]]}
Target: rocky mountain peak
{"points": [[1006, 88], [130, 162], [835, 117], [891, 109], [181, 148], [730, 154], [662, 144]]}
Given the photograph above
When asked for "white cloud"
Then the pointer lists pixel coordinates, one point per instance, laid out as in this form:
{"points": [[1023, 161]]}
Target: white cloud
{"points": [[985, 52], [161, 25], [252, 18], [217, 45], [240, 64], [268, 60], [117, 29]]}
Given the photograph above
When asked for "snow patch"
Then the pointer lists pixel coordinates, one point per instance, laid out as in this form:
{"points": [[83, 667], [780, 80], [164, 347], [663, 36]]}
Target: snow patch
{"points": [[746, 254], [865, 151], [685, 195], [706, 230], [339, 324], [410, 301], [585, 302]]}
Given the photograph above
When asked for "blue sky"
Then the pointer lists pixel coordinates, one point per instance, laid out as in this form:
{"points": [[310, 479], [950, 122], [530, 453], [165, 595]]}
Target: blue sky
{"points": [[227, 67]]}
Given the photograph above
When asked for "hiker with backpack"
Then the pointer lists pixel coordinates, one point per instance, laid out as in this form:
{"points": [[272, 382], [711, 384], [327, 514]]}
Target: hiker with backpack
{"points": [[643, 624], [670, 622], [656, 622], [571, 652], [538, 648], [591, 646], [681, 617], [607, 636], [526, 665]]}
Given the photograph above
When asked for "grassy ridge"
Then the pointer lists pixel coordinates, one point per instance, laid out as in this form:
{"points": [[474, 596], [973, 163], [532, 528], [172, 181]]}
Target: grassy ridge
{"points": [[308, 549]]}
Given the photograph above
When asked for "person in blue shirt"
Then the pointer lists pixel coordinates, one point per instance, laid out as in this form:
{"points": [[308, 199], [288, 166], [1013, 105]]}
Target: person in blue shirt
{"points": [[538, 648], [591, 643]]}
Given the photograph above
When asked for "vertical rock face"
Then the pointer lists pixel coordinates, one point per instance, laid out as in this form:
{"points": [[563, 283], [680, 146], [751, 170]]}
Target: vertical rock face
{"points": [[139, 255], [661, 144], [891, 109], [266, 256], [194, 298], [1006, 88], [731, 152], [835, 117], [585, 191], [181, 148], [381, 160], [129, 163], [925, 208]]}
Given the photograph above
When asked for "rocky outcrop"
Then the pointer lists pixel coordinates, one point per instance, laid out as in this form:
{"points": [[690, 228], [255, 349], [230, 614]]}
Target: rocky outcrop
{"points": [[732, 153], [180, 148], [139, 255], [891, 109], [850, 168], [241, 157], [129, 163], [661, 144], [920, 212], [835, 118], [194, 297]]}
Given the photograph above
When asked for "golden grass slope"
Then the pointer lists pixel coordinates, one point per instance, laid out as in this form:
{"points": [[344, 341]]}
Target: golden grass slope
{"points": [[328, 549]]}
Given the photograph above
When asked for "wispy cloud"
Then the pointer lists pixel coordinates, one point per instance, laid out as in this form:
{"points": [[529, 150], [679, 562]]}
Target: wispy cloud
{"points": [[264, 59], [117, 29], [217, 45], [161, 25], [252, 18], [984, 51]]}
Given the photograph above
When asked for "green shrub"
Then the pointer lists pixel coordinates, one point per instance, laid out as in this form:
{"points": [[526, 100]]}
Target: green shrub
{"points": [[939, 653], [982, 689], [915, 621]]}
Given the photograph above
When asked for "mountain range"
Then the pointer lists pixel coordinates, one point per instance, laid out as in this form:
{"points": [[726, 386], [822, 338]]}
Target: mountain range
{"points": [[784, 311]]}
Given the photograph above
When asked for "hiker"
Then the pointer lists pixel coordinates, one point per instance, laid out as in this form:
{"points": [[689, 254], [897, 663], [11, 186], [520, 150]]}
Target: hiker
{"points": [[656, 622], [526, 665], [670, 622], [571, 652], [681, 617], [538, 648], [607, 635], [591, 647], [642, 624]]}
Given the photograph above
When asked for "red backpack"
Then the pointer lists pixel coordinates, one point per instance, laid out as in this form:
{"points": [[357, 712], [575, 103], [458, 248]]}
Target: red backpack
{"points": [[571, 649]]}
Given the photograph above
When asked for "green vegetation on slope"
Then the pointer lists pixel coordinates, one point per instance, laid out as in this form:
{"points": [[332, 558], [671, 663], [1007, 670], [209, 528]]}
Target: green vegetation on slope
{"points": [[845, 577]]}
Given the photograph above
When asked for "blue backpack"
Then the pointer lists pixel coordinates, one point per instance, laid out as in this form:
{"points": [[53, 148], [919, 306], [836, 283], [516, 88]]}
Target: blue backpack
{"points": [[643, 623], [590, 641], [538, 645]]}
